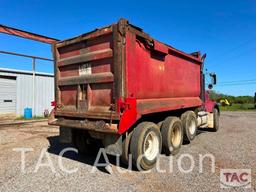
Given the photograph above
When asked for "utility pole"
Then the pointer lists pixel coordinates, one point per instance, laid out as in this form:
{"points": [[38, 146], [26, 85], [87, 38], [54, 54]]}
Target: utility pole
{"points": [[33, 85]]}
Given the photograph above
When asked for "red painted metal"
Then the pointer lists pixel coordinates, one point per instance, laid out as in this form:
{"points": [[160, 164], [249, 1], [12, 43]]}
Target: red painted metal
{"points": [[159, 79], [147, 106], [129, 116], [53, 104], [131, 74], [209, 104]]}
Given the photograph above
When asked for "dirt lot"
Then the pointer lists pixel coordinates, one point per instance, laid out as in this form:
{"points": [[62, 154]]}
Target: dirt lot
{"points": [[233, 146]]}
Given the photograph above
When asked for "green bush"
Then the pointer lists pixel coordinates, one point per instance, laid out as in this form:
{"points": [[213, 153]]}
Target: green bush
{"points": [[232, 99]]}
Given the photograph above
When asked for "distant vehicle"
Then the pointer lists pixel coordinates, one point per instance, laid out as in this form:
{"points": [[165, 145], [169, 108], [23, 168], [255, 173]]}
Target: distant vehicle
{"points": [[225, 102], [119, 87]]}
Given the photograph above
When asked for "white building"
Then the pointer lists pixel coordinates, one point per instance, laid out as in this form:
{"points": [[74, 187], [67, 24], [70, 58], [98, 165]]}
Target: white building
{"points": [[16, 92]]}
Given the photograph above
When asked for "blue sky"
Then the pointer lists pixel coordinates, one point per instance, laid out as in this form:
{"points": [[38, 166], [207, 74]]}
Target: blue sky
{"points": [[224, 29]]}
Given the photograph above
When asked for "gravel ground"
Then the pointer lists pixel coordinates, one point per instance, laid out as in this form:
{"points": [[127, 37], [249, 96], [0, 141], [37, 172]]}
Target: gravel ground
{"points": [[233, 146]]}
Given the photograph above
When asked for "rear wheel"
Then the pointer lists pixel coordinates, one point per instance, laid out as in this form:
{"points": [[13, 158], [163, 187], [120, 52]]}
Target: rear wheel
{"points": [[172, 135], [216, 118], [189, 122], [146, 145], [126, 148]]}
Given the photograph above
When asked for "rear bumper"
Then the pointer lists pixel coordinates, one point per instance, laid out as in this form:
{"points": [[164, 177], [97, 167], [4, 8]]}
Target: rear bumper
{"points": [[88, 115], [97, 126]]}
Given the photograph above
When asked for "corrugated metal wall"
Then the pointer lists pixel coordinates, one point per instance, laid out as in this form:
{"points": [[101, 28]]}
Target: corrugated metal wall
{"points": [[44, 91]]}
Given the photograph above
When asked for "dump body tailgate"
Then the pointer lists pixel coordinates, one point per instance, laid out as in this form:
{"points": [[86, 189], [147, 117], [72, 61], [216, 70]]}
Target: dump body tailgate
{"points": [[84, 75]]}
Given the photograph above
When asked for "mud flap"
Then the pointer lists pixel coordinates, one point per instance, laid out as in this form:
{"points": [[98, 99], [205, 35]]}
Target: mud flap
{"points": [[65, 135], [113, 144]]}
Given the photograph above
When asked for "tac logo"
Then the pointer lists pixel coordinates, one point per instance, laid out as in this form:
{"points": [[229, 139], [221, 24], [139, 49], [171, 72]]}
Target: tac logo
{"points": [[235, 178]]}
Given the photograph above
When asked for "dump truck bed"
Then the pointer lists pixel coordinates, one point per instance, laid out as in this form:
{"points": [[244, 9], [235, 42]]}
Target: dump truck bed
{"points": [[119, 73]]}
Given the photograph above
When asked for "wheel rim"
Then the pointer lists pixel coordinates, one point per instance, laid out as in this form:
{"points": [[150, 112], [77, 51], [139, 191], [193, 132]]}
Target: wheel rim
{"points": [[151, 146], [192, 127], [176, 136]]}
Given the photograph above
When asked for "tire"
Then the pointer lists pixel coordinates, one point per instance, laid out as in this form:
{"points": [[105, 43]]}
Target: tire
{"points": [[189, 123], [172, 135], [126, 149], [146, 145], [216, 118], [160, 125]]}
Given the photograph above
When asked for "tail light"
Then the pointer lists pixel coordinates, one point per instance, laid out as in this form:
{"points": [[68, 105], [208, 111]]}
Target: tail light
{"points": [[53, 104]]}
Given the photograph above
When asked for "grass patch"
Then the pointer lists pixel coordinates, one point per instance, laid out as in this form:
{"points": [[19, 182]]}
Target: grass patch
{"points": [[21, 118], [238, 107]]}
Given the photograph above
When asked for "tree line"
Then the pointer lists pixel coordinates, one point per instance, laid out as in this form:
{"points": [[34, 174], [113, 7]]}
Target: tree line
{"points": [[232, 99]]}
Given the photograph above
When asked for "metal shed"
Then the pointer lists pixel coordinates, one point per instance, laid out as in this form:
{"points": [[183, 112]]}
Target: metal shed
{"points": [[16, 91]]}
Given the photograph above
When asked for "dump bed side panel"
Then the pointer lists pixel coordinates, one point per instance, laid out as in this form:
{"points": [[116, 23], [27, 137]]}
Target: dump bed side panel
{"points": [[159, 77]]}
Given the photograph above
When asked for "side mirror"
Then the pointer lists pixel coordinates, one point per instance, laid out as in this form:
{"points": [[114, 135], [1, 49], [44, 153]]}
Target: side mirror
{"points": [[210, 86], [214, 78]]}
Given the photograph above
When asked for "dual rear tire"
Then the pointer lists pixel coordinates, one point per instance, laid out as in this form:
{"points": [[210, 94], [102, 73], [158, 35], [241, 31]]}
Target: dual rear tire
{"points": [[172, 134], [147, 142], [145, 145], [189, 123]]}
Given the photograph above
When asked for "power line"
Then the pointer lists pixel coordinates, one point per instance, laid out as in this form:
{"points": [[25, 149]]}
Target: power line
{"points": [[236, 84], [238, 81]]}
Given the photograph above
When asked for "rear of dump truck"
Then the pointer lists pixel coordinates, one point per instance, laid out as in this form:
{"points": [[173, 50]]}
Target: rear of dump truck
{"points": [[119, 86], [84, 79]]}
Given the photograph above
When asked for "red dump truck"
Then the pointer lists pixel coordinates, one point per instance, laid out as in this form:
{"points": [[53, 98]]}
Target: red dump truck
{"points": [[119, 87]]}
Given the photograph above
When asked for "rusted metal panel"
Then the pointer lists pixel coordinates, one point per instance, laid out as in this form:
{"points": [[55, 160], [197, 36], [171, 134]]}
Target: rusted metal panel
{"points": [[85, 79], [146, 106], [82, 58], [160, 47], [98, 126], [85, 75], [101, 95], [69, 71], [86, 36], [26, 34], [68, 95], [89, 114]]}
